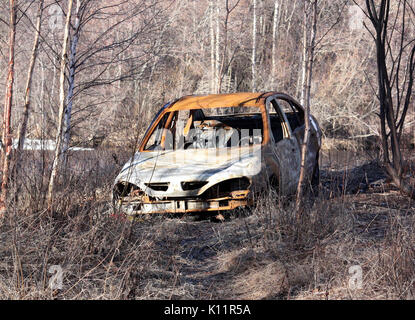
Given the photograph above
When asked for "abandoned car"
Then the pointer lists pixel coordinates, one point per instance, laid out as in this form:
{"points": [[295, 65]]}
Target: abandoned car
{"points": [[217, 152]]}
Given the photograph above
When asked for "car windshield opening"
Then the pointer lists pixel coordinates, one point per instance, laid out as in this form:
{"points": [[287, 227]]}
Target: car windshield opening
{"points": [[208, 128]]}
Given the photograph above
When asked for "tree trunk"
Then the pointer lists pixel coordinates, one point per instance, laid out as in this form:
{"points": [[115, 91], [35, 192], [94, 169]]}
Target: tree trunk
{"points": [[25, 118], [217, 56], [69, 97], [274, 43], [212, 49], [304, 60], [253, 58], [392, 155], [226, 69], [61, 106], [309, 72], [6, 136]]}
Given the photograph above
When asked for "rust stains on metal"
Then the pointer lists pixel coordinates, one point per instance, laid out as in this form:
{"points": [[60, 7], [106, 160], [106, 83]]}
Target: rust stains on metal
{"points": [[221, 100], [216, 153]]}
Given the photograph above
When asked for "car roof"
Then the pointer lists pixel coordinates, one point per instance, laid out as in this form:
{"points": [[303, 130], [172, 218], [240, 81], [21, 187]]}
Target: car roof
{"points": [[246, 99]]}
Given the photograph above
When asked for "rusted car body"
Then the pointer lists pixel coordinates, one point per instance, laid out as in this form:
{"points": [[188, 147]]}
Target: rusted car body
{"points": [[217, 152]]}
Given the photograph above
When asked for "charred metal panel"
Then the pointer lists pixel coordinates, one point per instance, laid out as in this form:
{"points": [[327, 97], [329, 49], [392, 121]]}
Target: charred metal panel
{"points": [[213, 178]]}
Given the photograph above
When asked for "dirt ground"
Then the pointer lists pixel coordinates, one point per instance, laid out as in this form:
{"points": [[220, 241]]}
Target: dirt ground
{"points": [[356, 241], [360, 219]]}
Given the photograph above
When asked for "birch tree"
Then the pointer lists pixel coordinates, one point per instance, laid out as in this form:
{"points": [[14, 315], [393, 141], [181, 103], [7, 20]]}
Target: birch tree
{"points": [[217, 56], [6, 135], [61, 105], [212, 47], [94, 55], [310, 10], [304, 52], [214, 32], [28, 89], [274, 42], [253, 58]]}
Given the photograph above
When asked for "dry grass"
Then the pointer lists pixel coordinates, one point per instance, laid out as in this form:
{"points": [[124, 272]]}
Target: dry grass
{"points": [[263, 253]]}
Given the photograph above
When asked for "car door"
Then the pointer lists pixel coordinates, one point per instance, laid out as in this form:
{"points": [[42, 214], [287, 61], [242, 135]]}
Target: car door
{"points": [[295, 116], [285, 147]]}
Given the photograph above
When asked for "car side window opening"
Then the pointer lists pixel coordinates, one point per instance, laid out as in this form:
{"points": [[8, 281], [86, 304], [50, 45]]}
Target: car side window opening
{"points": [[278, 126], [294, 114]]}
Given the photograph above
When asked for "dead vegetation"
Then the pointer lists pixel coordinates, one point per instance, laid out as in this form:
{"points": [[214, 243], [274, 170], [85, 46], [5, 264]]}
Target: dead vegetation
{"points": [[262, 253], [130, 57]]}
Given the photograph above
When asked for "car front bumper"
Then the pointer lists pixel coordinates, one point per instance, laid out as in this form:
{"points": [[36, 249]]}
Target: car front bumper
{"points": [[137, 206]]}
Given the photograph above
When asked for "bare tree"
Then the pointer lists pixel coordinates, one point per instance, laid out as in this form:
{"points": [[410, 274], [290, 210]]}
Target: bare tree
{"points": [[212, 47], [225, 64], [274, 42], [310, 9], [6, 136], [94, 55], [71, 80], [394, 83], [253, 58], [23, 124], [304, 52], [61, 105], [217, 56]]}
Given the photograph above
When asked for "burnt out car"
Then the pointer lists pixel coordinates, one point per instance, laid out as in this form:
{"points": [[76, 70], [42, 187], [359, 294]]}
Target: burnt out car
{"points": [[217, 152]]}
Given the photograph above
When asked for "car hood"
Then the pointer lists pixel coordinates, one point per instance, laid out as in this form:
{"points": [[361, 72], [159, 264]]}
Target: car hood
{"points": [[177, 166]]}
